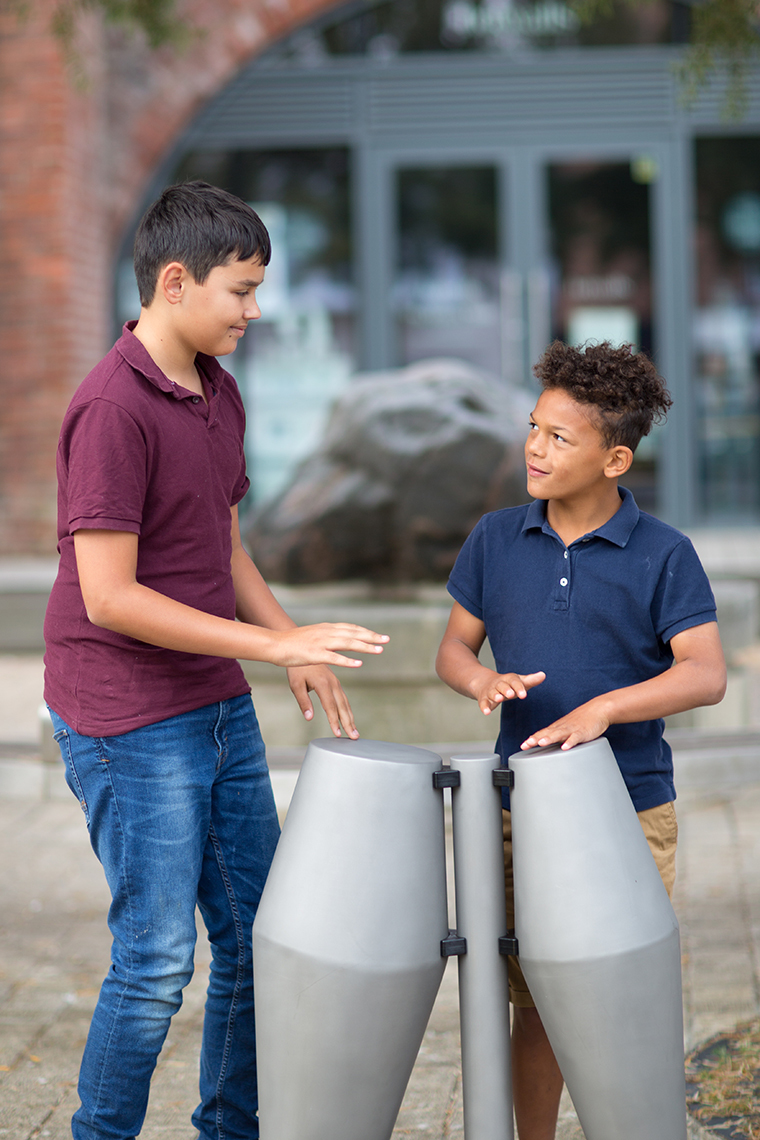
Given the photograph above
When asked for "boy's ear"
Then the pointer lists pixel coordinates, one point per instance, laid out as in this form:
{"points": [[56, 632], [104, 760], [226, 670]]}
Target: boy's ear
{"points": [[619, 459], [171, 282]]}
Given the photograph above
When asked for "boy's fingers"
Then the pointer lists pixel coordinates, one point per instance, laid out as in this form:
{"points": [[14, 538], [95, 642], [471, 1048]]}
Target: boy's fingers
{"points": [[344, 635], [336, 705]]}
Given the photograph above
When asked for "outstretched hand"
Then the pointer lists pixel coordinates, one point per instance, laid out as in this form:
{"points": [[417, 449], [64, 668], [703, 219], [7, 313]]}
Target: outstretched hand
{"points": [[500, 687], [320, 644], [587, 722]]}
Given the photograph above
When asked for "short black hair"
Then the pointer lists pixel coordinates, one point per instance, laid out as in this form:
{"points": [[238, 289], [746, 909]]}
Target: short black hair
{"points": [[200, 226], [623, 386]]}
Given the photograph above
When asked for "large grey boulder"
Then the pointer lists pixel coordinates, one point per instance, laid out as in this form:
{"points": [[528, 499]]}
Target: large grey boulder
{"points": [[409, 462]]}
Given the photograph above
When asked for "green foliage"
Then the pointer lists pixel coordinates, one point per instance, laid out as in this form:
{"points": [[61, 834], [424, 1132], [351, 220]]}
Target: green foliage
{"points": [[156, 19], [724, 37]]}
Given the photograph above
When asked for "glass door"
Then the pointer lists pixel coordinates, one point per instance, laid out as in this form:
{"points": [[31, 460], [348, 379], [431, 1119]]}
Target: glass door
{"points": [[599, 268], [726, 328], [453, 291], [445, 293]]}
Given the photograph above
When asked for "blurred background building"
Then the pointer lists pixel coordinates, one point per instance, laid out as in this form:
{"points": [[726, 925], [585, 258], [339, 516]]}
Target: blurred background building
{"points": [[442, 178]]}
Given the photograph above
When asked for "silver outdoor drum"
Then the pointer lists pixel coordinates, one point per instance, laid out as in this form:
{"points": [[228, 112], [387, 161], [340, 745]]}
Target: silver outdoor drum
{"points": [[347, 941]]}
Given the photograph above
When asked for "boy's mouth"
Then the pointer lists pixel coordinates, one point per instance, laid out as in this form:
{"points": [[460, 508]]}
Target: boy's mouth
{"points": [[535, 472]]}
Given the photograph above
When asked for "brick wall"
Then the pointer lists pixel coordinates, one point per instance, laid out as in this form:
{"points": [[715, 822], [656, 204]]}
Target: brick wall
{"points": [[77, 148]]}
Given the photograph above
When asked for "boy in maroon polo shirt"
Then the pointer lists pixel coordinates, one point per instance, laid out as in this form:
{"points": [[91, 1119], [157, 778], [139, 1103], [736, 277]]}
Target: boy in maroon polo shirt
{"points": [[150, 706]]}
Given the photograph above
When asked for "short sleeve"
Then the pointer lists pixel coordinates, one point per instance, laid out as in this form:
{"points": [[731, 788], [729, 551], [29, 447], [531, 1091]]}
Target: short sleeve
{"points": [[104, 461], [683, 597], [466, 579]]}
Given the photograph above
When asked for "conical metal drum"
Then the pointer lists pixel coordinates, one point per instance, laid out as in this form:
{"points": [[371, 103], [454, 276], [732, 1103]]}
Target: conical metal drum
{"points": [[347, 941], [599, 943]]}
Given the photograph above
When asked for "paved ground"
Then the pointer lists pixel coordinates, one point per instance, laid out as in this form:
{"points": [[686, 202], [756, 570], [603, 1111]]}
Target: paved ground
{"points": [[54, 945]]}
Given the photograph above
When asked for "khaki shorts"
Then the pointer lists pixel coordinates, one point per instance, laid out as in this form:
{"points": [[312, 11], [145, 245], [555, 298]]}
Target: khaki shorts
{"points": [[661, 830]]}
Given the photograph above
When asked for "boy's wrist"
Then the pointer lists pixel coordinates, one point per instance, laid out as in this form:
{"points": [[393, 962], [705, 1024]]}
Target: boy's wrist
{"points": [[479, 681]]}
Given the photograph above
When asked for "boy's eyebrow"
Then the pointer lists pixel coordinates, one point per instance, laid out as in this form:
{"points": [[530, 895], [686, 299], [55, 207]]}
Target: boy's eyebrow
{"points": [[555, 427]]}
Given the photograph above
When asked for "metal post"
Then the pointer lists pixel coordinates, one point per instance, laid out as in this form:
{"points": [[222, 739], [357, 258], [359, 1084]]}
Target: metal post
{"points": [[481, 920]]}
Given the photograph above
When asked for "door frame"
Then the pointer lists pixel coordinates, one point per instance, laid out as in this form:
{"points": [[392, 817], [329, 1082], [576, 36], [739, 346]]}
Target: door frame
{"points": [[523, 249]]}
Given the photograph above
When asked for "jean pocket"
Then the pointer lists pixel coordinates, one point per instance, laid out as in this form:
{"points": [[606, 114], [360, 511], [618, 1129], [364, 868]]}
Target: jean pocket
{"points": [[72, 779]]}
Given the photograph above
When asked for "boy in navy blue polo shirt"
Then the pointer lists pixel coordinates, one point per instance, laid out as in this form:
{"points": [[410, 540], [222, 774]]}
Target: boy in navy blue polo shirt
{"points": [[600, 619]]}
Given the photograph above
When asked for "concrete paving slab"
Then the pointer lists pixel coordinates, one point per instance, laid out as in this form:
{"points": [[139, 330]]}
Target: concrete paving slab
{"points": [[54, 947]]}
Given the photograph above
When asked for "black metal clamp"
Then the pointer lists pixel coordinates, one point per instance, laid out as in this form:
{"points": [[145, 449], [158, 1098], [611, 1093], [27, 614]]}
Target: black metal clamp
{"points": [[453, 945], [508, 944], [503, 778], [447, 778]]}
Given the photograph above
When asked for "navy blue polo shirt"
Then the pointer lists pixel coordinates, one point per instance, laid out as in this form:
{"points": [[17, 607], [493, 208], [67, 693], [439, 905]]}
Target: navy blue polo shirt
{"points": [[595, 616]]}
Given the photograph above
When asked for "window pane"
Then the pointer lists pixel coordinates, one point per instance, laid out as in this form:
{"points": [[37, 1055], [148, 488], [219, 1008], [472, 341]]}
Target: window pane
{"points": [[447, 287], [727, 327], [600, 270], [299, 356]]}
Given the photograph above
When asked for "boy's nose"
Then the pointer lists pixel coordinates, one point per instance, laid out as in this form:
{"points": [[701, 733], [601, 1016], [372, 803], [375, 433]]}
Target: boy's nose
{"points": [[252, 312]]}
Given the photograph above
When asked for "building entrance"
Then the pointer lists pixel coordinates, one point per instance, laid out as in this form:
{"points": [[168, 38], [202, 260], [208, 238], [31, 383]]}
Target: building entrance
{"points": [[482, 198], [490, 258]]}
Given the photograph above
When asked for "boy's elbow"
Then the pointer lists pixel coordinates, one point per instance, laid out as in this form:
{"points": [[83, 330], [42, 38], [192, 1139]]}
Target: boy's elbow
{"points": [[100, 610], [720, 689], [716, 686], [97, 614]]}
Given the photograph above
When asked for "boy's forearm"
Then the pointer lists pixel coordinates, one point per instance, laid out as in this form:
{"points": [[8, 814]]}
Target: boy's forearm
{"points": [[254, 601], [459, 667], [146, 615], [686, 685], [698, 677]]}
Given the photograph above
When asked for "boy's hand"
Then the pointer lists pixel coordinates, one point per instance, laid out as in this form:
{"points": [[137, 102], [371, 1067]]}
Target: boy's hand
{"points": [[322, 681], [319, 644], [587, 722], [500, 687]]}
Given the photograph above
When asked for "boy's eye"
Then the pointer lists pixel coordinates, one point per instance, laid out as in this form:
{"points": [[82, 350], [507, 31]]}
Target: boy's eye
{"points": [[561, 438]]}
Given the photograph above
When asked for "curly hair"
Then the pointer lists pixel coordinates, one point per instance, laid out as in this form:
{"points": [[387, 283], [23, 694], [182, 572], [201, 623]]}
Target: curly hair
{"points": [[623, 386]]}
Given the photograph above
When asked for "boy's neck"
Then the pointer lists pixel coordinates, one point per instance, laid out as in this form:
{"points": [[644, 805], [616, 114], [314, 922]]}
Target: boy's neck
{"points": [[175, 359], [572, 519]]}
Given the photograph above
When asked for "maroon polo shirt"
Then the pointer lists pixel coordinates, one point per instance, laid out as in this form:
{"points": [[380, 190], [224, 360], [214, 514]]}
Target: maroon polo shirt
{"points": [[137, 453]]}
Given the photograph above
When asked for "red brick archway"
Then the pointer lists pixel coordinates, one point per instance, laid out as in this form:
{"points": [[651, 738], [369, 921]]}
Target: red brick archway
{"points": [[75, 158]]}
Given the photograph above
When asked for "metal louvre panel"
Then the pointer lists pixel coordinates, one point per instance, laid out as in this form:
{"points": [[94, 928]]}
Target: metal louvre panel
{"points": [[261, 104], [346, 97], [539, 95], [709, 107]]}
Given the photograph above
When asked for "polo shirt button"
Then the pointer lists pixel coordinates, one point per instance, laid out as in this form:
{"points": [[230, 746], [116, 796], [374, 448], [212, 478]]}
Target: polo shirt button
{"points": [[196, 399], [563, 581], [565, 554]]}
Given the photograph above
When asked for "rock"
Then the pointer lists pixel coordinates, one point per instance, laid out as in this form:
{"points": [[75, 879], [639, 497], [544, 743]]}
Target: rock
{"points": [[410, 461]]}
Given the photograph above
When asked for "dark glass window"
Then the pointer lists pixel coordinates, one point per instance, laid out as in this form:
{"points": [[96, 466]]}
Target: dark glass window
{"points": [[727, 327]]}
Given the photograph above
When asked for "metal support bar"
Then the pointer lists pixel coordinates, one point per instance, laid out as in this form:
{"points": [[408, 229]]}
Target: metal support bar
{"points": [[482, 919]]}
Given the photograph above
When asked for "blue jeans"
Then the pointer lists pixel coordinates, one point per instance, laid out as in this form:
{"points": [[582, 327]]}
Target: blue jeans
{"points": [[179, 813]]}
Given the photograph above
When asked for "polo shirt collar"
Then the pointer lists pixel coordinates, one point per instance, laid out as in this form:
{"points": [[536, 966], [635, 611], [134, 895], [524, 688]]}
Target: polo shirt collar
{"points": [[137, 356], [617, 530]]}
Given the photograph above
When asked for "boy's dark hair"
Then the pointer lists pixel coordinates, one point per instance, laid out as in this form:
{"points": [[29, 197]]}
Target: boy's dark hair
{"points": [[199, 226], [623, 386]]}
